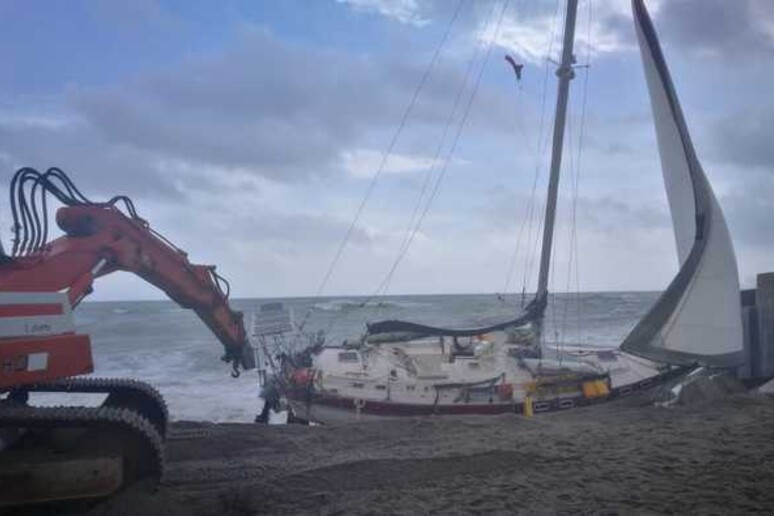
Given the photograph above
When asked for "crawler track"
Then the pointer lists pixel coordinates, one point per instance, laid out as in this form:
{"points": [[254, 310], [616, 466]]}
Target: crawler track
{"points": [[130, 394], [53, 436], [60, 453]]}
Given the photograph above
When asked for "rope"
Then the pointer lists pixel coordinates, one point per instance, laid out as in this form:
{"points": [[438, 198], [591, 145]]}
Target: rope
{"points": [[572, 246], [574, 256], [460, 127], [385, 157], [536, 157], [390, 147], [580, 156], [381, 291], [413, 227], [543, 137]]}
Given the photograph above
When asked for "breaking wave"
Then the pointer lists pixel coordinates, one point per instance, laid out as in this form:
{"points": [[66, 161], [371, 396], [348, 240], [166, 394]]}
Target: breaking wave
{"points": [[348, 305]]}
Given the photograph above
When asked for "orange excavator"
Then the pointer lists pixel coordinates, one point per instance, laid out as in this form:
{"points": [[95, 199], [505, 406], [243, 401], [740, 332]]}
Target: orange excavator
{"points": [[74, 452]]}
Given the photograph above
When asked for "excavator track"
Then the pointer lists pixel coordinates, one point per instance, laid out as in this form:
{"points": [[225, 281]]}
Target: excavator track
{"points": [[68, 453], [131, 394]]}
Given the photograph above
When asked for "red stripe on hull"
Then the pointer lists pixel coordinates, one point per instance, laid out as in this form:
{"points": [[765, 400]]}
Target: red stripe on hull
{"points": [[392, 409], [386, 408]]}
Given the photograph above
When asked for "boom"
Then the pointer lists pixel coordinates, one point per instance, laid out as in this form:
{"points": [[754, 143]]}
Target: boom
{"points": [[99, 239], [121, 441]]}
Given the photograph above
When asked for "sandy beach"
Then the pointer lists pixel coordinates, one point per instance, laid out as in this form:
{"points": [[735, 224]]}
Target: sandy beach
{"points": [[621, 457]]}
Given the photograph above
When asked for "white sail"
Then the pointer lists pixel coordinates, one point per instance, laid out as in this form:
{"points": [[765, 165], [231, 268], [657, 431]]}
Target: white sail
{"points": [[698, 318]]}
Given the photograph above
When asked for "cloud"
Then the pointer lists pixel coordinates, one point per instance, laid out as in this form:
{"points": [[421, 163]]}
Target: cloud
{"points": [[363, 163], [228, 152], [279, 110], [81, 151], [533, 29], [403, 11], [744, 137], [749, 205], [253, 154], [742, 29], [265, 106]]}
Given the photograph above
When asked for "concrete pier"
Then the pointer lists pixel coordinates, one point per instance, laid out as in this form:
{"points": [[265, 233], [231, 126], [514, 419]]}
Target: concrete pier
{"points": [[758, 324], [763, 362]]}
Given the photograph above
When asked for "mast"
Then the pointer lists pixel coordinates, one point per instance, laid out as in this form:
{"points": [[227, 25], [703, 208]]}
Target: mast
{"points": [[565, 74]]}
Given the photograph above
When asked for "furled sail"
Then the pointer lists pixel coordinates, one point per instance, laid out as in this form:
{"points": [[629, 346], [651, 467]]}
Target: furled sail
{"points": [[697, 319], [533, 311]]}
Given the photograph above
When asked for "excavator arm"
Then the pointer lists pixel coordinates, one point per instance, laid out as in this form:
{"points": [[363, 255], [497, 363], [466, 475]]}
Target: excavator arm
{"points": [[119, 442], [101, 239]]}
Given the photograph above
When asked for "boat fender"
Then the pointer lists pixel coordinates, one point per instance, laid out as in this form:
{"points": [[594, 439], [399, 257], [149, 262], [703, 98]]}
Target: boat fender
{"points": [[505, 391], [301, 376]]}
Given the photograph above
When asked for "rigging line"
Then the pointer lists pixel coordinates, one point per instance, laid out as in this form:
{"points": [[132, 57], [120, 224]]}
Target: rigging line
{"points": [[575, 177], [574, 162], [542, 141], [385, 157], [460, 127], [573, 187], [580, 156], [381, 290], [551, 301], [571, 248], [535, 151], [436, 158], [390, 147], [535, 241]]}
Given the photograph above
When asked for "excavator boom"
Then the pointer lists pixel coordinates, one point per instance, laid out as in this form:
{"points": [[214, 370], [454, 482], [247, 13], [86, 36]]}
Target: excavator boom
{"points": [[99, 240], [120, 442]]}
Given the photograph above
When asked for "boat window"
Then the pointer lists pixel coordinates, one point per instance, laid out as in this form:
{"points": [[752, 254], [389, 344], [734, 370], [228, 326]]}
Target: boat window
{"points": [[358, 385], [411, 387], [348, 357], [380, 387], [473, 365]]}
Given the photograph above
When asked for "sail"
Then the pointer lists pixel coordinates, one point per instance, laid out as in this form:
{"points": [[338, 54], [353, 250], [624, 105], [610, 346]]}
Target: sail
{"points": [[533, 311], [698, 318]]}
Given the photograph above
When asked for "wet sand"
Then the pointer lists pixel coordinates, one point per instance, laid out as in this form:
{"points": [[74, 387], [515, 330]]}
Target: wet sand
{"points": [[715, 457]]}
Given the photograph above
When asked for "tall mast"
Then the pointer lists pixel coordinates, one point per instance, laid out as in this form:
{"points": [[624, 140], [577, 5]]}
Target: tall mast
{"points": [[565, 74]]}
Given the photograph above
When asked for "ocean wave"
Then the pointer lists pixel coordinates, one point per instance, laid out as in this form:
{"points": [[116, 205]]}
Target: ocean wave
{"points": [[347, 305]]}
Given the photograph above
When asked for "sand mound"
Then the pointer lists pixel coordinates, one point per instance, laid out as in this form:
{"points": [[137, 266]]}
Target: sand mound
{"points": [[698, 387]]}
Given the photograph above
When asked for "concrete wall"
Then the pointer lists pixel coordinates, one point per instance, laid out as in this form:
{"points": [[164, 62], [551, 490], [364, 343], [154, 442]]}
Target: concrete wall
{"points": [[763, 359], [758, 325]]}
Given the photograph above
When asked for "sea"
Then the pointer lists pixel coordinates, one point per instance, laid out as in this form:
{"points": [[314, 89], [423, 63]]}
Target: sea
{"points": [[170, 348]]}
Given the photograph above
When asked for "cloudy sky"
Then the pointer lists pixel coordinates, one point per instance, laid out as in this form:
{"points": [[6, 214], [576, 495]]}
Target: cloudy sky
{"points": [[249, 133]]}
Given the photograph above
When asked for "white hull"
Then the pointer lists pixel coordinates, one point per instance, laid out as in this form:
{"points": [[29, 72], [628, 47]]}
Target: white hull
{"points": [[423, 378]]}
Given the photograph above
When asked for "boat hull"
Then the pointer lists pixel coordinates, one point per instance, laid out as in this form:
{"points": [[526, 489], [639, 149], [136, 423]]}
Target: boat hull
{"points": [[326, 409]]}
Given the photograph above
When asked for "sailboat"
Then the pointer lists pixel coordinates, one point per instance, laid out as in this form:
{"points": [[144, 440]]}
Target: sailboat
{"points": [[408, 368]]}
